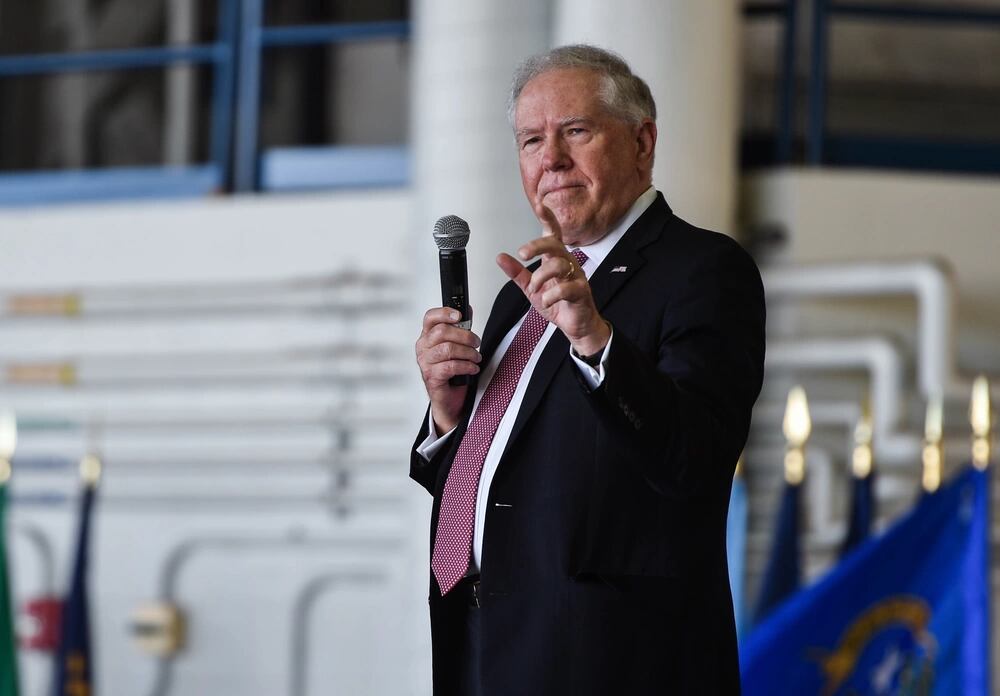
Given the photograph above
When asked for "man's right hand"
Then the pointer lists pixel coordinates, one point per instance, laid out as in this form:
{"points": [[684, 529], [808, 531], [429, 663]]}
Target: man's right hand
{"points": [[443, 351]]}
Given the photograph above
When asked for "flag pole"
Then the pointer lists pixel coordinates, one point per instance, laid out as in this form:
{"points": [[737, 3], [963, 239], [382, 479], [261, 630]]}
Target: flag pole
{"points": [[861, 456], [861, 509], [796, 426], [782, 576], [73, 659], [933, 453], [981, 420]]}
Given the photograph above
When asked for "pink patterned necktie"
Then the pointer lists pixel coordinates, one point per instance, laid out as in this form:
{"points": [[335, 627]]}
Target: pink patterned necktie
{"points": [[453, 541]]}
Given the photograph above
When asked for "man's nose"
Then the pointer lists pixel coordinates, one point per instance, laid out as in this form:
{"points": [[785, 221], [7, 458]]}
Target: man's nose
{"points": [[555, 155]]}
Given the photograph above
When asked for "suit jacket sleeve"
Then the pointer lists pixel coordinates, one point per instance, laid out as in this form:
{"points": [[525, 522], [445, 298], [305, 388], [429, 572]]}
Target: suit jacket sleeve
{"points": [[685, 409], [423, 471]]}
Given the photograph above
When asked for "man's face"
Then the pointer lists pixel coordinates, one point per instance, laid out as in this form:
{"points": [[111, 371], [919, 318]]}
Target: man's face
{"points": [[582, 163]]}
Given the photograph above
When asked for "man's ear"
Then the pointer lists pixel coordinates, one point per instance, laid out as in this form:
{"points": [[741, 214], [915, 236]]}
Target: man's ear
{"points": [[646, 141]]}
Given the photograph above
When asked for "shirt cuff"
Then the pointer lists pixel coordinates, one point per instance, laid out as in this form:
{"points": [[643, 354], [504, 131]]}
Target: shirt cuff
{"points": [[433, 443], [593, 376]]}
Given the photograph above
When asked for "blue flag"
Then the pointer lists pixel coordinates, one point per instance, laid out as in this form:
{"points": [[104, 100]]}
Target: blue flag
{"points": [[73, 674], [859, 525], [736, 548], [783, 575], [906, 613]]}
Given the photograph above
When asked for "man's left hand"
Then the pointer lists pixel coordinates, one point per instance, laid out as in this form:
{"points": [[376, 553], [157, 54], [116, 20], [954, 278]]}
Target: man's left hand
{"points": [[558, 289]]}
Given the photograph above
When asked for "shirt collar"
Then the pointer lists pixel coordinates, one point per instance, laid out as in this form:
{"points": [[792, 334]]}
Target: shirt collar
{"points": [[599, 250]]}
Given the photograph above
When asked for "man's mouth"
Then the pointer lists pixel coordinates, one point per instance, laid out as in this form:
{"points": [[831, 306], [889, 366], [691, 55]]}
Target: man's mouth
{"points": [[564, 187]]}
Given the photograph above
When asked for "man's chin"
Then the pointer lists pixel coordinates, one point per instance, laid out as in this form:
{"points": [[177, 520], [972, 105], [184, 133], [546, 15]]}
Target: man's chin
{"points": [[571, 232]]}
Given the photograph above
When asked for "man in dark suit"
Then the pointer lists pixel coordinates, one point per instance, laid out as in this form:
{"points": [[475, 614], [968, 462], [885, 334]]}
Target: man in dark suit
{"points": [[581, 481]]}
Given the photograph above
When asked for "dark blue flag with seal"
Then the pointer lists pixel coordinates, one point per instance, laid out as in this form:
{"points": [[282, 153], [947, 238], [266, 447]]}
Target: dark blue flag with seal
{"points": [[73, 674], [905, 613]]}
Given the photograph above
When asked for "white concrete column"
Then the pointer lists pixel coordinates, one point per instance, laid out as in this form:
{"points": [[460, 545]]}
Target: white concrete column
{"points": [[465, 162], [687, 50]]}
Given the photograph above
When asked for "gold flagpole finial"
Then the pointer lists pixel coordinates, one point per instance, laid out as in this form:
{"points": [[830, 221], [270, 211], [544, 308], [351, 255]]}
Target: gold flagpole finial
{"points": [[740, 465], [861, 457], [90, 469], [981, 419], [8, 443], [933, 454], [796, 426]]}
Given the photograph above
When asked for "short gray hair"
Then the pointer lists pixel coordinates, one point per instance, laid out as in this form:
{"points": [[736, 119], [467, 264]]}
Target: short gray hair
{"points": [[623, 93]]}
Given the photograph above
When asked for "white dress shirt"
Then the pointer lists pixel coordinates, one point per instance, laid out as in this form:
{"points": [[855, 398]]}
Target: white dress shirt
{"points": [[596, 253]]}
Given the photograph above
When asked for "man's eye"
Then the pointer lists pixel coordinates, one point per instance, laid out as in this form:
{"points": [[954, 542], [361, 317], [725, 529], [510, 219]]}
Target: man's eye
{"points": [[574, 131], [530, 141]]}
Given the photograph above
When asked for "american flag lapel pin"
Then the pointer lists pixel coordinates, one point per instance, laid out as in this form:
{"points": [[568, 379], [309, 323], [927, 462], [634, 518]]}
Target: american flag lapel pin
{"points": [[619, 269]]}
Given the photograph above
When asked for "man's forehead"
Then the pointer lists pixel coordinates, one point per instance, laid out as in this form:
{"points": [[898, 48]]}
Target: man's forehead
{"points": [[576, 91], [559, 78]]}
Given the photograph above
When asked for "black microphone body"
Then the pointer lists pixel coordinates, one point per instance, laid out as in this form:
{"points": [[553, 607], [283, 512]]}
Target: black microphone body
{"points": [[455, 283], [451, 233]]}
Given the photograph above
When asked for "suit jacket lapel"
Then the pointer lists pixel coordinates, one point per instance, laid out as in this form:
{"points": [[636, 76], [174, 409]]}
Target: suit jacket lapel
{"points": [[603, 285]]}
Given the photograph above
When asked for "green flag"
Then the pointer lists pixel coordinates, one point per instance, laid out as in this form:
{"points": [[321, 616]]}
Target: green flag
{"points": [[8, 648]]}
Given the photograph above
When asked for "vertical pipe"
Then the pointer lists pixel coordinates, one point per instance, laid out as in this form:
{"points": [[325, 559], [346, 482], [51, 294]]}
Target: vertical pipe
{"points": [[786, 95], [248, 94], [818, 73], [179, 126], [67, 97], [222, 90]]}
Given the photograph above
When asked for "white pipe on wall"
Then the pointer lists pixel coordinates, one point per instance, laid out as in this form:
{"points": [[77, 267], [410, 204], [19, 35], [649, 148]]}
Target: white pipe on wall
{"points": [[928, 281], [884, 365]]}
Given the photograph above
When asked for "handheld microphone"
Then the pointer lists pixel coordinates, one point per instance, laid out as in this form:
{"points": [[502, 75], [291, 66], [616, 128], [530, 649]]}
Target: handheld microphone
{"points": [[451, 234]]}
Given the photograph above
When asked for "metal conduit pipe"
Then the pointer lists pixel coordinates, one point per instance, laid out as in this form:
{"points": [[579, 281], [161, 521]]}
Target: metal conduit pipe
{"points": [[928, 281], [184, 551], [302, 610], [881, 359]]}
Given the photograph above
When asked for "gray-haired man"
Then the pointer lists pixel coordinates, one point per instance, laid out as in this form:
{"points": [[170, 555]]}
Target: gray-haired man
{"points": [[581, 481]]}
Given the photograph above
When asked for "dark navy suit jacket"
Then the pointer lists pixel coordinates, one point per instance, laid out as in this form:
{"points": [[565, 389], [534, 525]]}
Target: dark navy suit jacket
{"points": [[604, 557]]}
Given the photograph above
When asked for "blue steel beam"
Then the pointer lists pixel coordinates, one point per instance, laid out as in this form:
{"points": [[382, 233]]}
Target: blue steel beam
{"points": [[915, 13], [223, 92], [120, 59], [248, 95], [786, 96], [333, 33], [818, 74], [764, 9], [253, 38]]}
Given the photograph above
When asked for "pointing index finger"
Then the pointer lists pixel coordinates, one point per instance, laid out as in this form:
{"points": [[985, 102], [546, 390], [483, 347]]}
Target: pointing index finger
{"points": [[550, 226]]}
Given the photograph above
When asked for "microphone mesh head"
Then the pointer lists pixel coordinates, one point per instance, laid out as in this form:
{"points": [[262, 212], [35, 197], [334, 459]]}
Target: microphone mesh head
{"points": [[451, 232]]}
